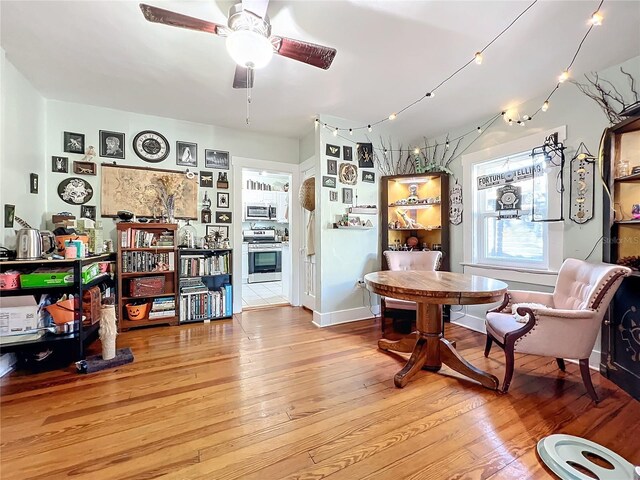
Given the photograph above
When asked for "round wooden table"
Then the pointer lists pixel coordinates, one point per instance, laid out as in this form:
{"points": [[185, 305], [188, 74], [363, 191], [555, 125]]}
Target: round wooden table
{"points": [[431, 290]]}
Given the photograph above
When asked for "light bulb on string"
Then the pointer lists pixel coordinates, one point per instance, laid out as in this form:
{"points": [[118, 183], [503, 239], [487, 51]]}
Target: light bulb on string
{"points": [[479, 129], [521, 123], [416, 151], [564, 76], [335, 132], [429, 94], [596, 18], [545, 106], [351, 131], [317, 122], [369, 127], [478, 58], [510, 122], [393, 116], [446, 145], [526, 117]]}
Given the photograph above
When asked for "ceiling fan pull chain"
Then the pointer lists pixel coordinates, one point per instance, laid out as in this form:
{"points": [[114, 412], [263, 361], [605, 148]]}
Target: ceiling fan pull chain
{"points": [[249, 86]]}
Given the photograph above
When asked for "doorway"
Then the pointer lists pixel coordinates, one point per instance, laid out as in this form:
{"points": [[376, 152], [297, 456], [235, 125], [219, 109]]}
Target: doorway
{"points": [[266, 252], [307, 262]]}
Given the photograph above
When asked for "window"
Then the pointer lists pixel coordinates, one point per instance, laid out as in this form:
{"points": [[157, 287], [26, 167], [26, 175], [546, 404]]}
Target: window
{"points": [[516, 242], [491, 238]]}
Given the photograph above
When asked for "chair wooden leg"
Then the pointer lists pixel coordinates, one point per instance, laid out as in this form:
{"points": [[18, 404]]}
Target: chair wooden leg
{"points": [[487, 347], [509, 364], [586, 378], [560, 362]]}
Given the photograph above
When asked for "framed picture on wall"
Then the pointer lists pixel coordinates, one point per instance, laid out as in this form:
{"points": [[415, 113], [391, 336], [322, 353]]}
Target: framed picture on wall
{"points": [[111, 144], [347, 195], [329, 182], [347, 153], [73, 142], [368, 177], [60, 164], [223, 229], [216, 159], [88, 211], [206, 179], [332, 150], [223, 217], [223, 200], [333, 195], [85, 168], [365, 155], [187, 154], [332, 167]]}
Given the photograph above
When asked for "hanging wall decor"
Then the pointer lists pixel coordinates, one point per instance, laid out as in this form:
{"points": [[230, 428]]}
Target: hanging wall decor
{"points": [[455, 204], [508, 201], [60, 164], [206, 179], [548, 180], [73, 142], [75, 191], [582, 185], [332, 150], [33, 183], [205, 213], [348, 173]]}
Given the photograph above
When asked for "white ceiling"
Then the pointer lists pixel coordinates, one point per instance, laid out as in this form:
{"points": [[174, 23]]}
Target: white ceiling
{"points": [[389, 53]]}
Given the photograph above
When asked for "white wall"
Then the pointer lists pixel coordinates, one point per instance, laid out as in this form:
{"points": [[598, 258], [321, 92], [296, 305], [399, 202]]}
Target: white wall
{"points": [[585, 123], [87, 119], [22, 147], [344, 256]]}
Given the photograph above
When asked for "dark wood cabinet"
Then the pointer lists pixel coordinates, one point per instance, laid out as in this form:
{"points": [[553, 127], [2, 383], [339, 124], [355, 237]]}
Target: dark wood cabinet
{"points": [[620, 348], [415, 205]]}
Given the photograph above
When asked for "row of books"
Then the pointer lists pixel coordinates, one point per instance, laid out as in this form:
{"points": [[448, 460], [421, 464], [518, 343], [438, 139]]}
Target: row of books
{"points": [[195, 266], [134, 238], [147, 262], [163, 307], [200, 303]]}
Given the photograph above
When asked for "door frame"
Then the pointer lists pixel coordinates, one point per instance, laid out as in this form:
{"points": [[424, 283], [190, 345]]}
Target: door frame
{"points": [[237, 165], [307, 165]]}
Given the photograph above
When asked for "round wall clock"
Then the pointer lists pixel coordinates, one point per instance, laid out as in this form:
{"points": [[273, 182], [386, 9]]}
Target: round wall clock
{"points": [[151, 146], [75, 191]]}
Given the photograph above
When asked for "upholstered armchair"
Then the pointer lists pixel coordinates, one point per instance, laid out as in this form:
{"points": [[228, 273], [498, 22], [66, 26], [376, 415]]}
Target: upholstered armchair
{"points": [[562, 324], [402, 312]]}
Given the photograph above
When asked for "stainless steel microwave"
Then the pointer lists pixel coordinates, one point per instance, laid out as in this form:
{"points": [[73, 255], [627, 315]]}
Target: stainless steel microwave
{"points": [[259, 212]]}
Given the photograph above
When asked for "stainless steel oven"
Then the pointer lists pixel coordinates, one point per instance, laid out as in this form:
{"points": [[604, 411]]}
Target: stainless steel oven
{"points": [[265, 262]]}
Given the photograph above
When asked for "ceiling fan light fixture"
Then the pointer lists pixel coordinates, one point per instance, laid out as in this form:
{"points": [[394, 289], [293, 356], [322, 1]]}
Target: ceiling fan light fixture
{"points": [[249, 49]]}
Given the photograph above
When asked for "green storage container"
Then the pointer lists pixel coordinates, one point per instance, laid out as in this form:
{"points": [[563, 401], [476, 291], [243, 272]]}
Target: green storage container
{"points": [[51, 277]]}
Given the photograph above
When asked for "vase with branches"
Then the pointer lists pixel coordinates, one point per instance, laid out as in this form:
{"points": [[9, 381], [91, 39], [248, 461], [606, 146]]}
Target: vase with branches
{"points": [[167, 188]]}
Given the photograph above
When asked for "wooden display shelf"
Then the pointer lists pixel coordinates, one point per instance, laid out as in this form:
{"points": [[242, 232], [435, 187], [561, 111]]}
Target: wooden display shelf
{"points": [[138, 274], [142, 297], [148, 249], [355, 227], [627, 222], [418, 206], [628, 178], [127, 324], [415, 229]]}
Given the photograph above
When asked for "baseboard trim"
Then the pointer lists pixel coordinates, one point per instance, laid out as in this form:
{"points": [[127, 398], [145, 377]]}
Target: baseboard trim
{"points": [[344, 316], [477, 325]]}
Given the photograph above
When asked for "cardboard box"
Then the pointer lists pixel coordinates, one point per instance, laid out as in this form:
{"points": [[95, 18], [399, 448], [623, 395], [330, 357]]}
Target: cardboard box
{"points": [[18, 315], [48, 277]]}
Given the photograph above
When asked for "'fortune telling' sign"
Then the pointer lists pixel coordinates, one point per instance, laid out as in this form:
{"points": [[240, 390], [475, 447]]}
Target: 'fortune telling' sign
{"points": [[510, 176]]}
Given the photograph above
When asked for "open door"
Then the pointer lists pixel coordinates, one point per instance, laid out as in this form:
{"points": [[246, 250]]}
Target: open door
{"points": [[307, 262]]}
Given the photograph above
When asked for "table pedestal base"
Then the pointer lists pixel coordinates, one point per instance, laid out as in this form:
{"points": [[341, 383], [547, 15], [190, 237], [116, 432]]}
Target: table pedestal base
{"points": [[429, 350]]}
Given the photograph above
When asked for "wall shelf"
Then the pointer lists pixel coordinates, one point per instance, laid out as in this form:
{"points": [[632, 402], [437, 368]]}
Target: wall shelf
{"points": [[363, 210], [355, 227], [414, 206]]}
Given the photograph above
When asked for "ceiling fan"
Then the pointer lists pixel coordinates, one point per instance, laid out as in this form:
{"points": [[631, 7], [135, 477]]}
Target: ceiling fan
{"points": [[249, 39]]}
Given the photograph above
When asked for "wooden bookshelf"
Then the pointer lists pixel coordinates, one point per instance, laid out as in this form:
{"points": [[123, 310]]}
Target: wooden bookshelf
{"points": [[142, 249]]}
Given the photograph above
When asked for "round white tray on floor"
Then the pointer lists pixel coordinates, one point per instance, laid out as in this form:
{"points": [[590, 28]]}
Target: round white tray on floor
{"points": [[559, 452]]}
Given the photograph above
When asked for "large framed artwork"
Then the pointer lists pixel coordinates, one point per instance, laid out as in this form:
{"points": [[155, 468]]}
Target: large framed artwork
{"points": [[138, 189]]}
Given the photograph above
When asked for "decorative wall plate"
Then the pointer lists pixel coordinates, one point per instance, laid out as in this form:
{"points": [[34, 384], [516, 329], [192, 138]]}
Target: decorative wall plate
{"points": [[75, 191], [348, 173], [582, 186], [151, 146]]}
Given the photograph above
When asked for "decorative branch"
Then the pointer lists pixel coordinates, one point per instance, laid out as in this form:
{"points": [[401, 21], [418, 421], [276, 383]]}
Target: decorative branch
{"points": [[610, 100]]}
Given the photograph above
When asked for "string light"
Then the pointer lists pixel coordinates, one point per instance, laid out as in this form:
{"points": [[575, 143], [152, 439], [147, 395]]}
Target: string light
{"points": [[351, 131], [564, 76], [369, 127], [479, 129], [510, 122], [335, 132], [545, 106], [416, 151], [526, 117], [446, 145], [317, 122], [477, 58], [596, 18]]}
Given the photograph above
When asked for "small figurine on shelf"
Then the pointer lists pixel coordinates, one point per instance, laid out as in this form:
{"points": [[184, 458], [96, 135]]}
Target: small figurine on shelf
{"points": [[407, 221], [413, 194]]}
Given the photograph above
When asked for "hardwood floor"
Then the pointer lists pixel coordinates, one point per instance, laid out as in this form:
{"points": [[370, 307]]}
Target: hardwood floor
{"points": [[268, 395]]}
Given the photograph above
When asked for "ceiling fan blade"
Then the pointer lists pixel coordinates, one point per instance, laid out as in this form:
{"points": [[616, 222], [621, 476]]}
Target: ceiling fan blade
{"points": [[166, 17], [243, 77], [259, 7], [316, 55]]}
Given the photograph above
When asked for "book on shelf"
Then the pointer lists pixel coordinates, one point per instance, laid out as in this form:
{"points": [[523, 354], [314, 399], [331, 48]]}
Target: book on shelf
{"points": [[198, 265], [162, 314], [136, 238], [199, 304], [163, 304], [136, 262]]}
